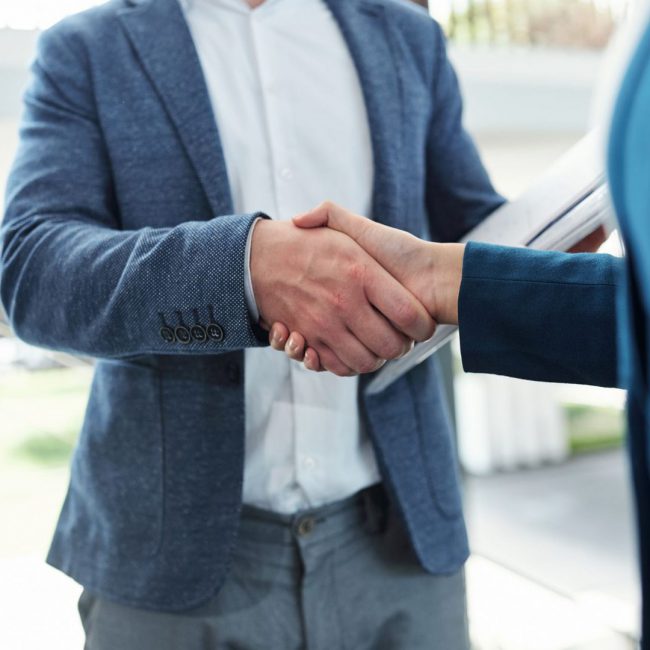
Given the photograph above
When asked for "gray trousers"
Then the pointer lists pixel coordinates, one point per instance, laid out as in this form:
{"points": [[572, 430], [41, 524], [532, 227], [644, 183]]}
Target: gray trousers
{"points": [[341, 577]]}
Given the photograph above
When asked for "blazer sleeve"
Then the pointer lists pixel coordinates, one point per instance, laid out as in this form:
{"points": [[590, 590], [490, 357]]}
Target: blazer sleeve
{"points": [[539, 315], [72, 279], [459, 193]]}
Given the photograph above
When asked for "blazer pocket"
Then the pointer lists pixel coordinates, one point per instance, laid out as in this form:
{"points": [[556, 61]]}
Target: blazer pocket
{"points": [[119, 461], [435, 437]]}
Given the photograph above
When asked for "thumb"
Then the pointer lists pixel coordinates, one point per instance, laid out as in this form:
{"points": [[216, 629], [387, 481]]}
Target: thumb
{"points": [[335, 217], [315, 218]]}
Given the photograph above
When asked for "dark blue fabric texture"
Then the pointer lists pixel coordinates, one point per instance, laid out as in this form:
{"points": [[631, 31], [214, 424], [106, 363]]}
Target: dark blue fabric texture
{"points": [[119, 236], [539, 315], [556, 317]]}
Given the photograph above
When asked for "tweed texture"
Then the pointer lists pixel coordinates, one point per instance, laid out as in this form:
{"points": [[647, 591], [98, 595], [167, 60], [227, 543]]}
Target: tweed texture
{"points": [[119, 230]]}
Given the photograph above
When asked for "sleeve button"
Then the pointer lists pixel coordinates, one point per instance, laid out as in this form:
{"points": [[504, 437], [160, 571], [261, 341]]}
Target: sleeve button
{"points": [[199, 334], [167, 334], [214, 331], [183, 335]]}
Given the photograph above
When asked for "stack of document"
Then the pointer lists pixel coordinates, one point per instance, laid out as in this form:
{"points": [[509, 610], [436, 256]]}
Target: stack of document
{"points": [[568, 203]]}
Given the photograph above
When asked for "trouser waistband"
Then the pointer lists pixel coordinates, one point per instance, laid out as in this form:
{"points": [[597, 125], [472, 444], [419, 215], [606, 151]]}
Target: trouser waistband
{"points": [[368, 510]]}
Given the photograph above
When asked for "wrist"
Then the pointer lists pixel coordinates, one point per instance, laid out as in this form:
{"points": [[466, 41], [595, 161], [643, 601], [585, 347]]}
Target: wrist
{"points": [[446, 270], [259, 245]]}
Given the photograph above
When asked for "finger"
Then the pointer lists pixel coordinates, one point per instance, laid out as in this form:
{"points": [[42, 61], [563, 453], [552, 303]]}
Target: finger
{"points": [[335, 217], [378, 335], [398, 304], [312, 360], [295, 346], [330, 361], [278, 336], [354, 354], [591, 243], [313, 218]]}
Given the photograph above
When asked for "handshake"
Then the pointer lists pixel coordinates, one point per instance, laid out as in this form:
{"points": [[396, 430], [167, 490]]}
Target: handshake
{"points": [[345, 294]]}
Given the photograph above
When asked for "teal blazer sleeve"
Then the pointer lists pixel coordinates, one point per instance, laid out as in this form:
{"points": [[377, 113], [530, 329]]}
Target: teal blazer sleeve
{"points": [[539, 315]]}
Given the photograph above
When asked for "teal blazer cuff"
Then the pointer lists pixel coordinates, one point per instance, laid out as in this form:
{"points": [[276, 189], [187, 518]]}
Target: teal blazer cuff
{"points": [[539, 315]]}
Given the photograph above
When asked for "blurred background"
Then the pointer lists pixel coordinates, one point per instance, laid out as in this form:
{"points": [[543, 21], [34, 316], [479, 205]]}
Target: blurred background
{"points": [[546, 488]]}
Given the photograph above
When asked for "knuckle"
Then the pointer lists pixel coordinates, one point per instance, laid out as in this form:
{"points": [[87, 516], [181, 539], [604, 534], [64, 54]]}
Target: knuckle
{"points": [[339, 301], [430, 331], [368, 365], [407, 316], [392, 349], [322, 324], [337, 368], [356, 272]]}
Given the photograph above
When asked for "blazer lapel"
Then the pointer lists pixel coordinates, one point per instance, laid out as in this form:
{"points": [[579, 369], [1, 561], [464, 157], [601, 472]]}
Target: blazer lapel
{"points": [[162, 40], [368, 36]]}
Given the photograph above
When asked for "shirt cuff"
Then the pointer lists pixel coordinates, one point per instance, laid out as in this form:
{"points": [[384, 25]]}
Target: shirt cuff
{"points": [[248, 282]]}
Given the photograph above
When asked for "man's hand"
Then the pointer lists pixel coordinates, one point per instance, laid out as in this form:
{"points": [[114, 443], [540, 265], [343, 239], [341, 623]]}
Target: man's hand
{"points": [[592, 242], [353, 313], [431, 271]]}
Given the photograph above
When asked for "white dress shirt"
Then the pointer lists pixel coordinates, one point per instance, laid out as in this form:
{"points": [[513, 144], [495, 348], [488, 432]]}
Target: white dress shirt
{"points": [[294, 131]]}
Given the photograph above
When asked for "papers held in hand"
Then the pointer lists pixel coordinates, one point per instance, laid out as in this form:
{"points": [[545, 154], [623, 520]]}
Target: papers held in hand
{"points": [[568, 203]]}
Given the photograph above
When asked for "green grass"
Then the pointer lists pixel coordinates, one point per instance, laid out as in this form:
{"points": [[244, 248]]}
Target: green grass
{"points": [[40, 417], [47, 448], [592, 428], [41, 414]]}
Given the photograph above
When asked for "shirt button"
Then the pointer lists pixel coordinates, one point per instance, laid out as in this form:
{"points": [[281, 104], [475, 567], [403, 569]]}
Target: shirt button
{"points": [[286, 174]]}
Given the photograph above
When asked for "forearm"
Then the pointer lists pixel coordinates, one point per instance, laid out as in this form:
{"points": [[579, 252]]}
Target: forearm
{"points": [[539, 315], [87, 289]]}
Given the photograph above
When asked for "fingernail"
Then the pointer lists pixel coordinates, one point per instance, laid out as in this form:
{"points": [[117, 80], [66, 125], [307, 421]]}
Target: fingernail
{"points": [[292, 345]]}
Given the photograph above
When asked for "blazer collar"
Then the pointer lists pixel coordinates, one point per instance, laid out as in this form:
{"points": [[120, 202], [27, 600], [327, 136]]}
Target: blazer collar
{"points": [[371, 43], [162, 40]]}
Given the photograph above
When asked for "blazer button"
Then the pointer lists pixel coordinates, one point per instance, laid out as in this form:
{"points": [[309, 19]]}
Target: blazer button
{"points": [[167, 334], [183, 335], [234, 373], [199, 334], [215, 333]]}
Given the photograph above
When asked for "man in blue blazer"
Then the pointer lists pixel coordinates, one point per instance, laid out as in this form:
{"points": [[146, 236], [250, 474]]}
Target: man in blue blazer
{"points": [[128, 229], [539, 315]]}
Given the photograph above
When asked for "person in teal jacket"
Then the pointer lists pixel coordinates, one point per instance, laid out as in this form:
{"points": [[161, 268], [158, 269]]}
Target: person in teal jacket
{"points": [[542, 315]]}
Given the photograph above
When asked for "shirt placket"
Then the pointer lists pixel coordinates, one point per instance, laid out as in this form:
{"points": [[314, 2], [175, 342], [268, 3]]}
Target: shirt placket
{"points": [[278, 124]]}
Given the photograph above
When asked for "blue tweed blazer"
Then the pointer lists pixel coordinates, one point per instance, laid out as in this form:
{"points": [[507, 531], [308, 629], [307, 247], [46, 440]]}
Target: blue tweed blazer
{"points": [[119, 242]]}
